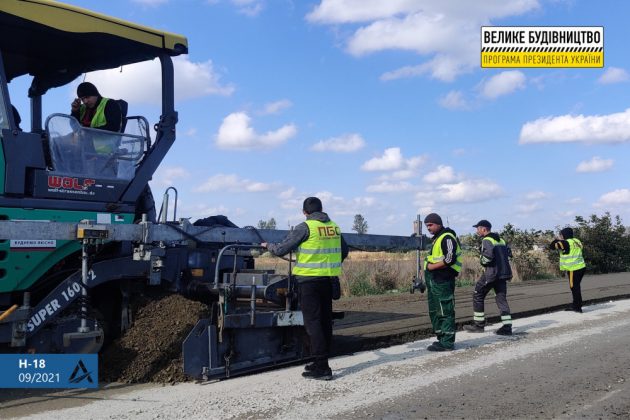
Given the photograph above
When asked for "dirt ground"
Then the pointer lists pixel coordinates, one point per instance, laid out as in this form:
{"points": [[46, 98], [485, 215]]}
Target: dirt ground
{"points": [[151, 350], [556, 365]]}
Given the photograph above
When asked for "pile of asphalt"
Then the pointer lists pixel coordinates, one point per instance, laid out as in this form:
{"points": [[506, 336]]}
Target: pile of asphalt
{"points": [[151, 350]]}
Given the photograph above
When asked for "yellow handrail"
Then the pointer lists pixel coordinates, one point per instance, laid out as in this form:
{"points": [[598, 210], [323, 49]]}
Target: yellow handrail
{"points": [[8, 312]]}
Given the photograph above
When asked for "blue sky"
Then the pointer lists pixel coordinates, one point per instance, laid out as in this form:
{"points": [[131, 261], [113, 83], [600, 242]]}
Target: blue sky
{"points": [[380, 108]]}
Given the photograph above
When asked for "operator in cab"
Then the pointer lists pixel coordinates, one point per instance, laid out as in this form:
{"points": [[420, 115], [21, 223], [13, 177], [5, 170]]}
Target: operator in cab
{"points": [[92, 110]]}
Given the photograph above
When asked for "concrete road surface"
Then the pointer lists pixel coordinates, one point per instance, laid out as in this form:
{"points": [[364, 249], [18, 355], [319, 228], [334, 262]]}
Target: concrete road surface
{"points": [[557, 365]]}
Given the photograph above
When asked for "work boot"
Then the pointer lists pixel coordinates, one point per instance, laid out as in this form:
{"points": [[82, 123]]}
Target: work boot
{"points": [[309, 367], [438, 347], [504, 330], [474, 328], [319, 374]]}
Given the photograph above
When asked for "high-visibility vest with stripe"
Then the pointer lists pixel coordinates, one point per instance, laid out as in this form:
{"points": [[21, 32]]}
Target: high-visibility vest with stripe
{"points": [[98, 119], [494, 243], [105, 144], [437, 255], [320, 254], [574, 260]]}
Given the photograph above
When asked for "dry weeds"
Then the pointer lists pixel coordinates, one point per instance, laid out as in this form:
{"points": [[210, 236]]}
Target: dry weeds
{"points": [[368, 273]]}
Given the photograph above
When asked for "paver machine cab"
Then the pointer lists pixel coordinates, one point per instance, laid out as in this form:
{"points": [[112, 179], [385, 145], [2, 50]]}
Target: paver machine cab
{"points": [[77, 234], [56, 171]]}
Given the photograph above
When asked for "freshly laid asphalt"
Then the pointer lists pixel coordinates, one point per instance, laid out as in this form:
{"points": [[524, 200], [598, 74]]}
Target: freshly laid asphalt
{"points": [[378, 321]]}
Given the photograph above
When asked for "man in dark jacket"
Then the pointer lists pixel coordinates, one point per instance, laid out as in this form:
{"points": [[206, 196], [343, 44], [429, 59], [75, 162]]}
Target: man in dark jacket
{"points": [[572, 261], [92, 110], [320, 251], [495, 260], [441, 266]]}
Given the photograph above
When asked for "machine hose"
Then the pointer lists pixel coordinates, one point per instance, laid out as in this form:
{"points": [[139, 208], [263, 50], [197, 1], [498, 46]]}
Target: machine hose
{"points": [[8, 312]]}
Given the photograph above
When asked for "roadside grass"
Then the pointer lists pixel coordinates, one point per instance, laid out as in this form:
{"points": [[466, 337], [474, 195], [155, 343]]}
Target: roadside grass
{"points": [[376, 273]]}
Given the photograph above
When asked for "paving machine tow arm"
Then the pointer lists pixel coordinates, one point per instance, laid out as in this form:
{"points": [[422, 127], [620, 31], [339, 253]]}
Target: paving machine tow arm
{"points": [[255, 321]]}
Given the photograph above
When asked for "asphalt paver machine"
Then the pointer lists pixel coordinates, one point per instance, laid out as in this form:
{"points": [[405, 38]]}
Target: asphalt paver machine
{"points": [[79, 239]]}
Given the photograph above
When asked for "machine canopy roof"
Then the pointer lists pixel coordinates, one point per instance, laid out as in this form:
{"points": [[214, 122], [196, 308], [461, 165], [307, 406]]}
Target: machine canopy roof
{"points": [[55, 42]]}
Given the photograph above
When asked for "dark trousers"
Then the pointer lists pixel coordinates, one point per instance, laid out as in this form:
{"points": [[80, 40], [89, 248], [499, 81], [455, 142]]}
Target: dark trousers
{"points": [[575, 280], [441, 300], [482, 288], [316, 303]]}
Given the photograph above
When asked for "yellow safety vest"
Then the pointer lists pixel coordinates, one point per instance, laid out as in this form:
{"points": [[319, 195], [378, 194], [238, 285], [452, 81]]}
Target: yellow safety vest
{"points": [[98, 120], [574, 259], [320, 254], [437, 255], [104, 144]]}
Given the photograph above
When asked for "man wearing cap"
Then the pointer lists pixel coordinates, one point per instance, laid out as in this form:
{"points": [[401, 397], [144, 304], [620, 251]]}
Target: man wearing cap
{"points": [[320, 251], [92, 110], [494, 257], [571, 260], [441, 266]]}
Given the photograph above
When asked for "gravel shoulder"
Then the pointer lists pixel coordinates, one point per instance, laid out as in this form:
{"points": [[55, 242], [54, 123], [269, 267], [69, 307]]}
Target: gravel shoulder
{"points": [[557, 364]]}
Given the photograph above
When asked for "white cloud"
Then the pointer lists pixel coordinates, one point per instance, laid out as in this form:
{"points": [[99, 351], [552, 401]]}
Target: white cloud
{"points": [[528, 208], [454, 100], [402, 174], [202, 210], [613, 75], [141, 82], [231, 183], [276, 107], [393, 160], [286, 194], [471, 191], [596, 164], [468, 191], [169, 175], [502, 84], [611, 128], [445, 32], [620, 197], [191, 132], [349, 11], [564, 215], [416, 161], [442, 174], [236, 133], [336, 205], [344, 144], [536, 195], [249, 7], [389, 187]]}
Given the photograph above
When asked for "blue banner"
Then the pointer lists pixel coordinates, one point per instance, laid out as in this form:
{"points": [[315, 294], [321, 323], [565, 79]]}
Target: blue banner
{"points": [[49, 371]]}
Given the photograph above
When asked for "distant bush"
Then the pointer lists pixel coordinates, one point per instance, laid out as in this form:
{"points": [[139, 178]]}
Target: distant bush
{"points": [[385, 280], [363, 287], [606, 243], [464, 282], [529, 261], [606, 250]]}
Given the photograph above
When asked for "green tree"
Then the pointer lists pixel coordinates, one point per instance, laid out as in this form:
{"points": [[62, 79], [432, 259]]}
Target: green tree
{"points": [[606, 243], [360, 225], [268, 224]]}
